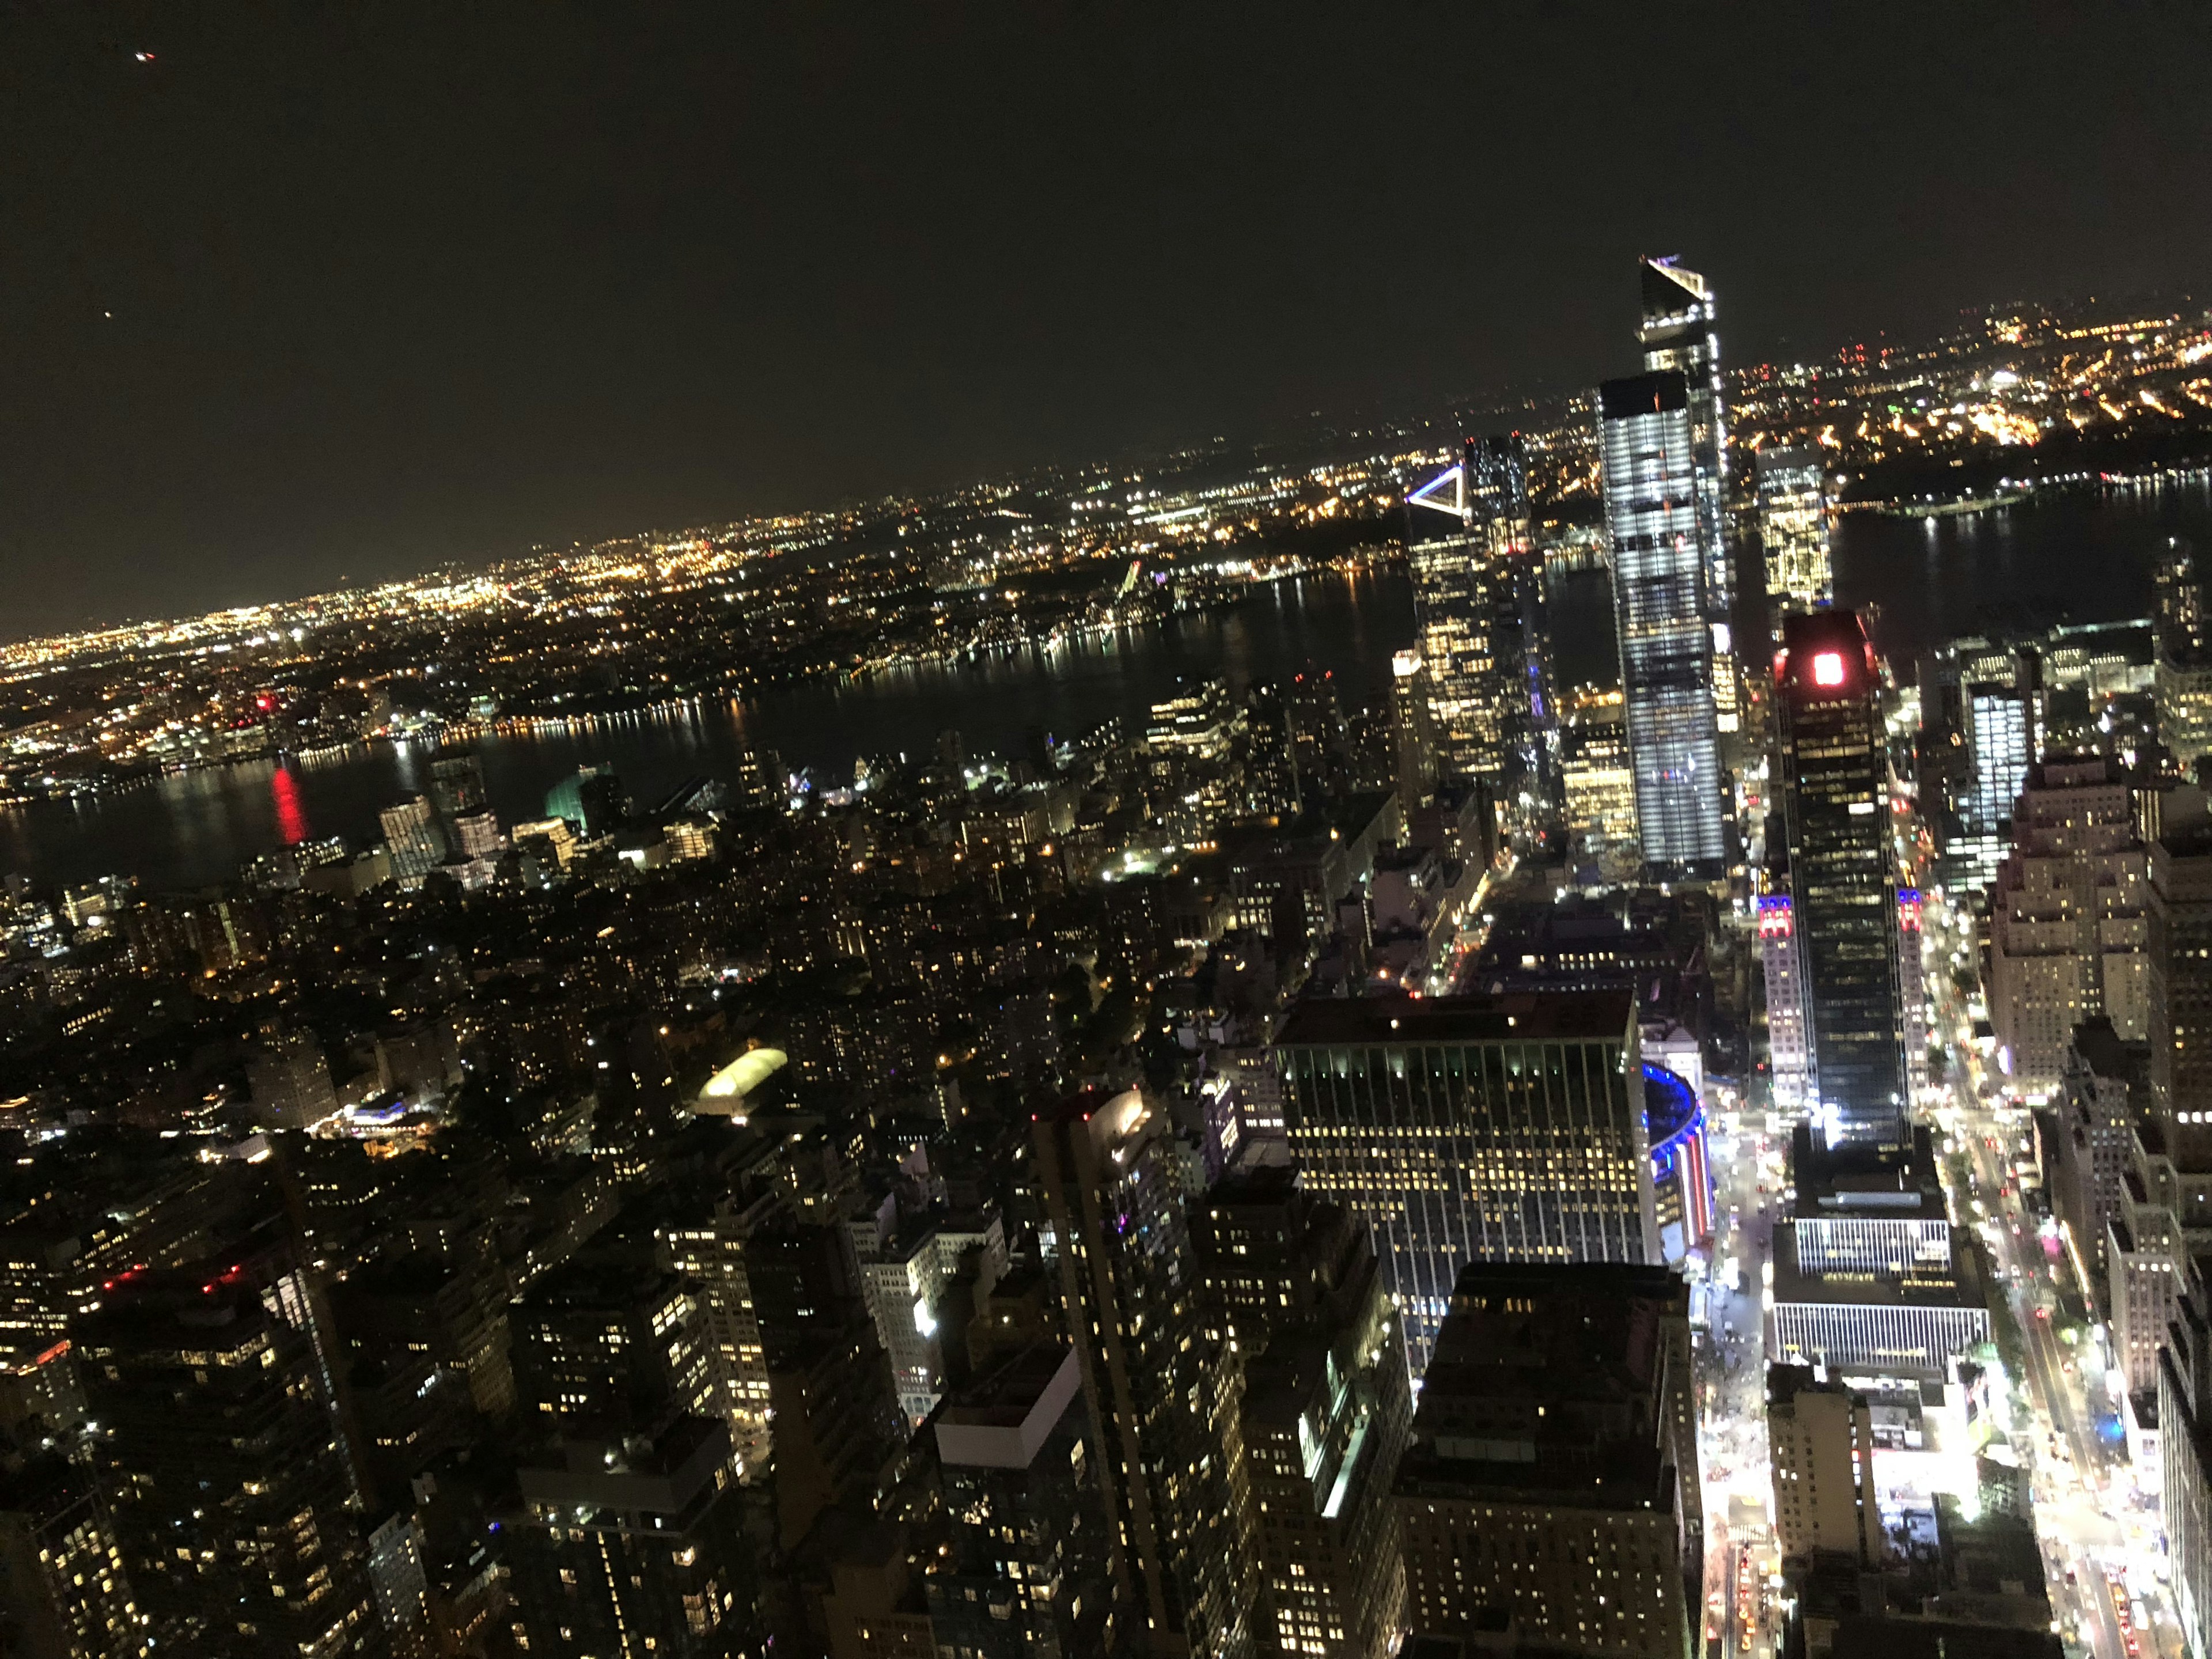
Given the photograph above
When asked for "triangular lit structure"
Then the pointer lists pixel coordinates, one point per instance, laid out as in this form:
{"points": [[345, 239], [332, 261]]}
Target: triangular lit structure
{"points": [[1426, 495]]}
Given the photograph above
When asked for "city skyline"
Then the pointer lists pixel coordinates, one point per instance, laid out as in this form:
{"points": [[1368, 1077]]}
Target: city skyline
{"points": [[1574, 1024], [269, 334]]}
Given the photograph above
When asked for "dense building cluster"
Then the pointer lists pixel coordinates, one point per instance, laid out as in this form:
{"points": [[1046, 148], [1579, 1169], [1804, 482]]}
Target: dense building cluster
{"points": [[1281, 1176]]}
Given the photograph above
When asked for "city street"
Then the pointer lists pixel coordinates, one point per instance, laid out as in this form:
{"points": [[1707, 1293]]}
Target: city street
{"points": [[2089, 1513]]}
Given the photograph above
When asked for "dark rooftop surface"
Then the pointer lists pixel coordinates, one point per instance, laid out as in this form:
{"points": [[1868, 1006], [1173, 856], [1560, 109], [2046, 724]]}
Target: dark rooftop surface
{"points": [[1531, 1016]]}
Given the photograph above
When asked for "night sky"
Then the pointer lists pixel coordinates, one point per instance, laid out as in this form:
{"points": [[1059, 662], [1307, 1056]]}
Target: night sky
{"points": [[349, 289]]}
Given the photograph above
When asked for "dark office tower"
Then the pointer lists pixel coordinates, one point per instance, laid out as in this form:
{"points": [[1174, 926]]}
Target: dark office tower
{"points": [[1029, 1571], [1507, 1129], [1327, 1404], [593, 800], [63, 1591], [628, 1538], [2180, 1021], [1835, 804], [2183, 632], [833, 1404], [1272, 784], [1553, 1477], [1164, 1398], [1412, 732], [233, 1497], [1521, 653], [602, 1341], [457, 785], [1662, 615], [2183, 672], [1676, 333]]}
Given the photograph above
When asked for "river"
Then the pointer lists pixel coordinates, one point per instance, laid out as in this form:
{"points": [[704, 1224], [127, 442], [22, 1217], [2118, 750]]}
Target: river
{"points": [[2082, 555]]}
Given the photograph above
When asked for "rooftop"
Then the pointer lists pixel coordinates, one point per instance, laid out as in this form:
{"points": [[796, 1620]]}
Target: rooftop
{"points": [[1521, 1017]]}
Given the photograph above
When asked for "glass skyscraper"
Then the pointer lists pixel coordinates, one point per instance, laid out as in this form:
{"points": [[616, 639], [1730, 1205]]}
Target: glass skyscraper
{"points": [[1676, 333], [1478, 598], [1662, 611], [1508, 1129], [1835, 800], [1793, 529]]}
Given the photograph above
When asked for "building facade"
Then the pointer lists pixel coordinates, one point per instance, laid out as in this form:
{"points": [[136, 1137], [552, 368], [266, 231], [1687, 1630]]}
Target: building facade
{"points": [[1835, 801], [1663, 611], [1506, 1128], [1111, 1191], [1819, 1440], [1793, 529], [1782, 970], [2068, 931], [1551, 1478]]}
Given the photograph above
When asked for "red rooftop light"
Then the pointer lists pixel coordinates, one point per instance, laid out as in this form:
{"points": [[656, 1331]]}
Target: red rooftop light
{"points": [[1828, 668]]}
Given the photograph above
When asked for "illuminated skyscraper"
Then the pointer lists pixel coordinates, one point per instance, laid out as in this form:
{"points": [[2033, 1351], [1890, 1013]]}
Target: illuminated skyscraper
{"points": [[1662, 611], [1676, 333], [1784, 974], [1478, 598], [1454, 609], [2066, 927], [1793, 529], [1835, 801], [1472, 1128], [416, 840]]}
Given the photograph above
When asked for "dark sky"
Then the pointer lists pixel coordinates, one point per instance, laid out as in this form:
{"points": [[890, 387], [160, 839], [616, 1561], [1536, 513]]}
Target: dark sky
{"points": [[394, 284]]}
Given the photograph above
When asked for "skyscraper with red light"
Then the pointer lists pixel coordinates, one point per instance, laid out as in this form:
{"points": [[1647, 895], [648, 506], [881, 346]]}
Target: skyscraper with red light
{"points": [[1835, 801]]}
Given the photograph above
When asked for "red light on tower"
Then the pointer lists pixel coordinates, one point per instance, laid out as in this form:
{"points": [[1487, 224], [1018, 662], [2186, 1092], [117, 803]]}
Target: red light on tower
{"points": [[1828, 668]]}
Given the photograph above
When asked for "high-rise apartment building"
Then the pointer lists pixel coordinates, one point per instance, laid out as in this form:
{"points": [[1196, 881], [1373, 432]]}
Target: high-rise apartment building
{"points": [[2182, 669], [1030, 1569], [1506, 1128], [1793, 529], [1782, 970], [414, 838], [1455, 605], [1327, 1403], [1497, 486], [2067, 927], [629, 1537], [289, 1079], [1597, 784], [1663, 613], [1835, 802], [2103, 1091], [63, 1590], [1478, 605], [1166, 1401], [1552, 1476], [2185, 1452], [1819, 1440], [234, 1495]]}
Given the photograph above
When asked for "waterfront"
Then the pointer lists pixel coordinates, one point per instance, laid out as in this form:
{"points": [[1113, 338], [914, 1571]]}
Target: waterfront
{"points": [[196, 828], [2080, 554]]}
